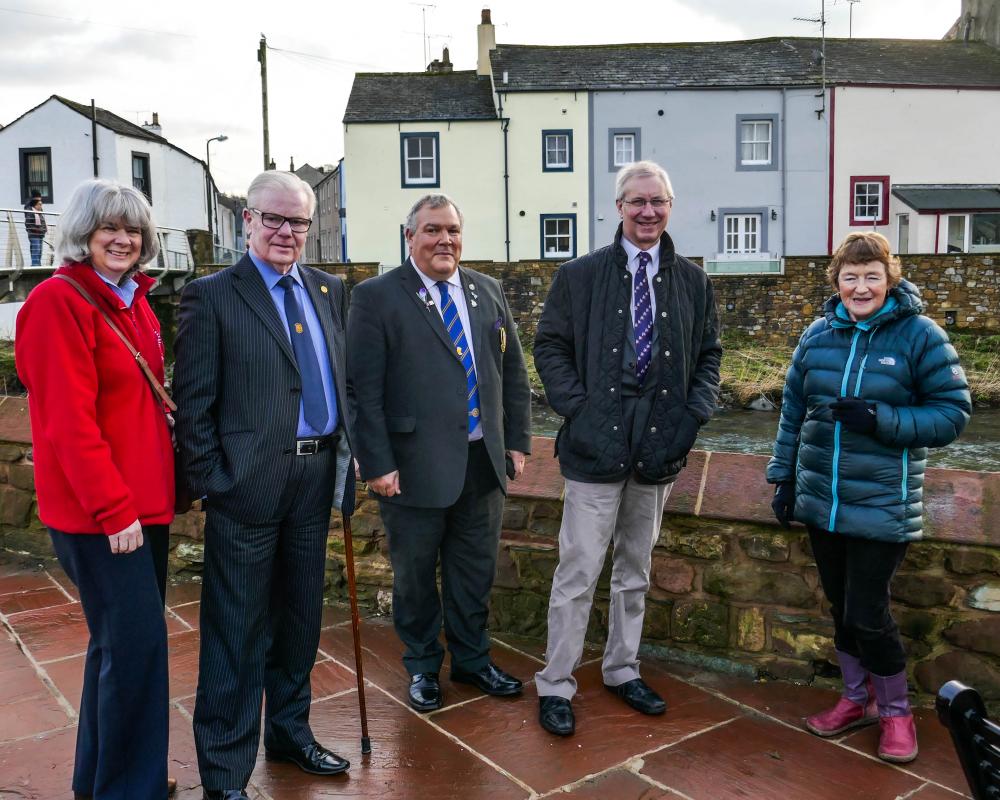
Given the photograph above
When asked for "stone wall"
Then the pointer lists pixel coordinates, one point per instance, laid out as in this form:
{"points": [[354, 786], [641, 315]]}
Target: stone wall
{"points": [[731, 590], [777, 308]]}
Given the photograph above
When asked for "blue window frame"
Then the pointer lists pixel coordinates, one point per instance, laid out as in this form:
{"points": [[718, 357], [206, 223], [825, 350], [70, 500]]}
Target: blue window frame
{"points": [[557, 236], [557, 151]]}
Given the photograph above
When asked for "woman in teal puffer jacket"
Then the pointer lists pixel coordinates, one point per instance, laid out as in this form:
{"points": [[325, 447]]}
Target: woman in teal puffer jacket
{"points": [[872, 385]]}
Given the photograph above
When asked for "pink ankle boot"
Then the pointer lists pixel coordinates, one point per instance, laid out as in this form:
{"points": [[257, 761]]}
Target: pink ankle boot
{"points": [[855, 708], [898, 736]]}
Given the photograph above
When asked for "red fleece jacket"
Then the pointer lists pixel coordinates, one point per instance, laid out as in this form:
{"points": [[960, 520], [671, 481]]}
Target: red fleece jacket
{"points": [[100, 439]]}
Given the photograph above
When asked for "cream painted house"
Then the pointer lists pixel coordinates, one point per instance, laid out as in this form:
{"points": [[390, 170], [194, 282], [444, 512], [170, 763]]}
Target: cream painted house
{"points": [[408, 134]]}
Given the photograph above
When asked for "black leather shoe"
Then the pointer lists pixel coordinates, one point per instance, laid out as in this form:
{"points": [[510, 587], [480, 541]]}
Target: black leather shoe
{"points": [[638, 695], [313, 758], [490, 680], [556, 715], [224, 794], [425, 692]]}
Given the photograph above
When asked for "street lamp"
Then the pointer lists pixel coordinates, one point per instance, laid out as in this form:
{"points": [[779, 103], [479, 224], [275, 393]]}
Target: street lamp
{"points": [[208, 188]]}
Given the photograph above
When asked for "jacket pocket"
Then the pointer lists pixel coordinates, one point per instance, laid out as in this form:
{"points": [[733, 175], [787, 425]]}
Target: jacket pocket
{"points": [[400, 424]]}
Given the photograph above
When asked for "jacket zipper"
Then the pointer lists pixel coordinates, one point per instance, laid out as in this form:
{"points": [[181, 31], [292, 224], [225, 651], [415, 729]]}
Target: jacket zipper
{"points": [[835, 476]]}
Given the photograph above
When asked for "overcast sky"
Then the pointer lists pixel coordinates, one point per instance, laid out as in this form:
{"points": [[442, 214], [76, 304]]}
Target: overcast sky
{"points": [[196, 62]]}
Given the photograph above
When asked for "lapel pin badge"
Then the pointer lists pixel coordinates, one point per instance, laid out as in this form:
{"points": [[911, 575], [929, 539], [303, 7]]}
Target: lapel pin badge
{"points": [[323, 289], [428, 301]]}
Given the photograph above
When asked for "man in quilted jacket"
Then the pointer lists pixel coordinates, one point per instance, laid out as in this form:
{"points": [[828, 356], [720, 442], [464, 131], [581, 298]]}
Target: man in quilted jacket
{"points": [[628, 350]]}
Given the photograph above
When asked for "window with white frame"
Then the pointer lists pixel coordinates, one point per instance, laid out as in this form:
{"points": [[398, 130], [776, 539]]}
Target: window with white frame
{"points": [[867, 201], [557, 151], [624, 149], [974, 233], [902, 233], [420, 159], [755, 142], [558, 235], [742, 234]]}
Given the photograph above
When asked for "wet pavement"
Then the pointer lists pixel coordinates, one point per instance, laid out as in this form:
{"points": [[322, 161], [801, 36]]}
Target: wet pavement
{"points": [[722, 737]]}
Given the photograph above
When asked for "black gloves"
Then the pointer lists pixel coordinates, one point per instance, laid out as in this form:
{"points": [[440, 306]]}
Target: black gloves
{"points": [[855, 414], [783, 504]]}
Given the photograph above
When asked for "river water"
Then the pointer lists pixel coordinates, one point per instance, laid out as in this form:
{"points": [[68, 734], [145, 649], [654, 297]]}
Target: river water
{"points": [[753, 432]]}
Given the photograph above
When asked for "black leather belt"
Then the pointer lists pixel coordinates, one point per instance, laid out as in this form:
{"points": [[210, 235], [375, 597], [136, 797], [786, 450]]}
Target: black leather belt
{"points": [[310, 447]]}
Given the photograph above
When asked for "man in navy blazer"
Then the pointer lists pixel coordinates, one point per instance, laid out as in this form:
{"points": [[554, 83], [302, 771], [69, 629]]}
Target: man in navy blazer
{"points": [[260, 390], [439, 400]]}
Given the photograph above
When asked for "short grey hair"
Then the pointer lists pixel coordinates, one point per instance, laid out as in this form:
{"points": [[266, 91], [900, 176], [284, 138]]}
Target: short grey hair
{"points": [[278, 181], [641, 169], [431, 201], [95, 202]]}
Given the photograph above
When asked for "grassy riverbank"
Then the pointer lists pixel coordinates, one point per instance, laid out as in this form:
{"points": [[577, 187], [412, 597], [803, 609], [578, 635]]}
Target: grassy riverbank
{"points": [[751, 370]]}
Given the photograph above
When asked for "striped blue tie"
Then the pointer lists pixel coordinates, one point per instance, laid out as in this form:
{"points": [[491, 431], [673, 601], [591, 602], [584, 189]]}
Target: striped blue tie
{"points": [[454, 325], [643, 319]]}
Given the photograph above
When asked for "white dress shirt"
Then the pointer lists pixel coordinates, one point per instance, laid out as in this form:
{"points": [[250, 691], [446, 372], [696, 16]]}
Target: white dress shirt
{"points": [[651, 270], [457, 296]]}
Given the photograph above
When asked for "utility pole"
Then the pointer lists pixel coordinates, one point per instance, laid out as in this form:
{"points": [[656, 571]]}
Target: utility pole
{"points": [[262, 58]]}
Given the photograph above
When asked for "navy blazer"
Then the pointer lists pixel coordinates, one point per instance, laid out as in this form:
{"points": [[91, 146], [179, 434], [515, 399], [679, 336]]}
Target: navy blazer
{"points": [[407, 387]]}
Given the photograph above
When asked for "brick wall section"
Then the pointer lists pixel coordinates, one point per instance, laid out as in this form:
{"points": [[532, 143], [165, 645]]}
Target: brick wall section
{"points": [[727, 582]]}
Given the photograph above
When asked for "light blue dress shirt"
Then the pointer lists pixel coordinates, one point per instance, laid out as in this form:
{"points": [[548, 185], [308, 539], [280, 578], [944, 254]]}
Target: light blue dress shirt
{"points": [[271, 277], [125, 292]]}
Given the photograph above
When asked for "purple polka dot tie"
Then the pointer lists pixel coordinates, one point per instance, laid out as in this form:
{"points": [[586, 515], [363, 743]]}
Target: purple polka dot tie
{"points": [[643, 316]]}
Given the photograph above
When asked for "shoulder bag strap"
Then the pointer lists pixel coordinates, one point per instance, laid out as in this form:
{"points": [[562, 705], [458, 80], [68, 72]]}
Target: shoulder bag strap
{"points": [[157, 387]]}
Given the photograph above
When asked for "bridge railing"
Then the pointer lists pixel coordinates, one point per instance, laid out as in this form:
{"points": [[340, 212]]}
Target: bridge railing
{"points": [[175, 259]]}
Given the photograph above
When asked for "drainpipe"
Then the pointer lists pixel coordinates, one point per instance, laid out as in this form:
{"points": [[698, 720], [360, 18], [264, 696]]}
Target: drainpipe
{"points": [[93, 133], [504, 125], [784, 170]]}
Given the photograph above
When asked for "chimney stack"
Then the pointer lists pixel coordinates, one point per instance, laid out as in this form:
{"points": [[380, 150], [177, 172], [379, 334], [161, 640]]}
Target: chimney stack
{"points": [[487, 36], [442, 66], [154, 126]]}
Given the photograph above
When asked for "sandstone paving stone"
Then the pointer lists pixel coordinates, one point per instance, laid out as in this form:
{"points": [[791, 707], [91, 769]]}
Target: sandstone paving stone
{"points": [[933, 792], [180, 592], [608, 732], [189, 612], [40, 768], [60, 631], [329, 677], [383, 652], [936, 761], [67, 675], [182, 663], [618, 784], [753, 757], [27, 706], [33, 599], [409, 760], [17, 578]]}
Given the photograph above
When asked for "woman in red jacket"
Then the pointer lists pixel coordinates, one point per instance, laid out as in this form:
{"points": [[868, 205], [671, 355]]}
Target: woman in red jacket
{"points": [[104, 476]]}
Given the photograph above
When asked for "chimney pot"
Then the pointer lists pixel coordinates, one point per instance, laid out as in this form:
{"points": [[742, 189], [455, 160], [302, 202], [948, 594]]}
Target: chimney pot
{"points": [[486, 17]]}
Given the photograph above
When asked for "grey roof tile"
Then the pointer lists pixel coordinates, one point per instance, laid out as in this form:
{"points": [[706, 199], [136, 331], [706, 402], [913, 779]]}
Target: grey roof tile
{"points": [[786, 61], [419, 96]]}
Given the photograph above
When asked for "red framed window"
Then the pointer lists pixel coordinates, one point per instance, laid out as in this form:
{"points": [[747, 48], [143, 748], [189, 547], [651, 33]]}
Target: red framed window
{"points": [[869, 200]]}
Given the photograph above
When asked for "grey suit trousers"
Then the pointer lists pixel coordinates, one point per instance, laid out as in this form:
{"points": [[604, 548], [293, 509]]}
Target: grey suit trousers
{"points": [[627, 514]]}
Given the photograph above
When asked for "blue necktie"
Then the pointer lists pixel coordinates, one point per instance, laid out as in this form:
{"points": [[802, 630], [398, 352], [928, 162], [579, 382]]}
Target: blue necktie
{"points": [[643, 316], [454, 325], [313, 397]]}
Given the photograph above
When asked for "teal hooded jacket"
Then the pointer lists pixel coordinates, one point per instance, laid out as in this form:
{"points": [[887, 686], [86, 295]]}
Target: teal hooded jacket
{"points": [[855, 484]]}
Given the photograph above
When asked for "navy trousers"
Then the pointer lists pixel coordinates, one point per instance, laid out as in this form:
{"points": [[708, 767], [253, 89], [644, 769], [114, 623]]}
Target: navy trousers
{"points": [[121, 742], [261, 613]]}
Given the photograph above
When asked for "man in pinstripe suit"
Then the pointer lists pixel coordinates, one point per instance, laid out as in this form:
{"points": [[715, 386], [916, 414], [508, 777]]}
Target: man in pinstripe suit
{"points": [[259, 385], [439, 395]]}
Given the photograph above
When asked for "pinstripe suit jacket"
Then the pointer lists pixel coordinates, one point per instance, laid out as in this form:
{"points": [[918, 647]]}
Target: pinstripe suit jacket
{"points": [[237, 387]]}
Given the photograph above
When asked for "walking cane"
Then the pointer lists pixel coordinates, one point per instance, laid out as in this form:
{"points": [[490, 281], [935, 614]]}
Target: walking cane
{"points": [[346, 509]]}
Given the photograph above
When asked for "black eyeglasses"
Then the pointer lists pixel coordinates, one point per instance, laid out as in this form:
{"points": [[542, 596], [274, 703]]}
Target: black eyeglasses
{"points": [[275, 221], [656, 202]]}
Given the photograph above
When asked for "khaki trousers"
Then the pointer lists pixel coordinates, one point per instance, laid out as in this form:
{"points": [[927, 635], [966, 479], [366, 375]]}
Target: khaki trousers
{"points": [[628, 515]]}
